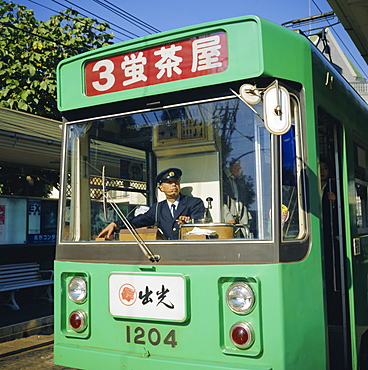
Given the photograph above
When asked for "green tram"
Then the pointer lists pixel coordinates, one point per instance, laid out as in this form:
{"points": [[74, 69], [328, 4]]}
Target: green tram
{"points": [[265, 279]]}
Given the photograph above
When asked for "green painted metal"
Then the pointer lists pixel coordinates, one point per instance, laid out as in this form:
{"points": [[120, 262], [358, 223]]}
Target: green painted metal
{"points": [[288, 317], [247, 38], [279, 321]]}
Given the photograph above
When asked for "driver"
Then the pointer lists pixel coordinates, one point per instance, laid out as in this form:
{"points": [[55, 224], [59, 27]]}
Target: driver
{"points": [[168, 214]]}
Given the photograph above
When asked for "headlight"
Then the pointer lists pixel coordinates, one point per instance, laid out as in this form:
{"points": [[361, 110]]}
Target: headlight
{"points": [[240, 297], [77, 289]]}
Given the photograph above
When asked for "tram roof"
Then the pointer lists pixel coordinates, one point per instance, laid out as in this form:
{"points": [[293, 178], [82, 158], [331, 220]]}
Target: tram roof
{"points": [[94, 78]]}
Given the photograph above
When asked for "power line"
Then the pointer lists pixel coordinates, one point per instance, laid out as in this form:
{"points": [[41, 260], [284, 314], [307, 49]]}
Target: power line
{"points": [[350, 53], [99, 17], [39, 36], [343, 43], [57, 12], [44, 6], [154, 29], [127, 16]]}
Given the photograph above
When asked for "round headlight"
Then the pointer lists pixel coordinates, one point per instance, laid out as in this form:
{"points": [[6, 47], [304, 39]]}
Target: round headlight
{"points": [[240, 297], [77, 289]]}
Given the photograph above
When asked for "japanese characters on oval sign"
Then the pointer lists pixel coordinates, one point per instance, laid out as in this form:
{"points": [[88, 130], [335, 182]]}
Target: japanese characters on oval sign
{"points": [[164, 63], [149, 296]]}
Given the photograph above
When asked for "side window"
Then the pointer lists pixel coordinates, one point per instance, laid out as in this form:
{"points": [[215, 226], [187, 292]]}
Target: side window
{"points": [[361, 189], [292, 200], [361, 195]]}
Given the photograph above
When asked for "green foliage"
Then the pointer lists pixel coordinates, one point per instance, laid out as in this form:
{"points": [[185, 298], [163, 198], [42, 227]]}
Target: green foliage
{"points": [[30, 50], [27, 182]]}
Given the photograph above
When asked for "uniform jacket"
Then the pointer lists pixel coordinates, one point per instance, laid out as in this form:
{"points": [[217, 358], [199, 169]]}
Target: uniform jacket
{"points": [[159, 215]]}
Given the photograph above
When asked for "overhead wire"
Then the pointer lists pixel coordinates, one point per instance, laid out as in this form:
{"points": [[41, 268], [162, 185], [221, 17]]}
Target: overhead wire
{"points": [[58, 12], [342, 42], [127, 16], [44, 6], [39, 36], [132, 35], [154, 29], [113, 9]]}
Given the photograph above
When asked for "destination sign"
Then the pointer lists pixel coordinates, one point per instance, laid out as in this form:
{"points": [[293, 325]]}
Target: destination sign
{"points": [[180, 60]]}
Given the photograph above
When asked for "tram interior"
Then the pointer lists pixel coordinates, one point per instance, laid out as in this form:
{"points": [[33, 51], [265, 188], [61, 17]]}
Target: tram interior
{"points": [[115, 160]]}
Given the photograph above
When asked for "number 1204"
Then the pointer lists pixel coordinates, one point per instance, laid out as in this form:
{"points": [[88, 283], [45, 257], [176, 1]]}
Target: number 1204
{"points": [[139, 335]]}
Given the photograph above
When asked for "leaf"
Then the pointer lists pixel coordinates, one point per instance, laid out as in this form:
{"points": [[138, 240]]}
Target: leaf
{"points": [[24, 94], [22, 105], [32, 70], [43, 85], [28, 63], [10, 102]]}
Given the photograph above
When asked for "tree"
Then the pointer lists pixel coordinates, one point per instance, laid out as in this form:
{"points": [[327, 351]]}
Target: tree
{"points": [[27, 181], [30, 50]]}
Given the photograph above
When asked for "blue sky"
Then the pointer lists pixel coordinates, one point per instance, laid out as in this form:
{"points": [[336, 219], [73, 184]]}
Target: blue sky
{"points": [[166, 15]]}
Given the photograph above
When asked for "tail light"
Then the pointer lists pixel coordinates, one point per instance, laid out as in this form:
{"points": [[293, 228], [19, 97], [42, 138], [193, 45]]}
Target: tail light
{"points": [[77, 320], [242, 335]]}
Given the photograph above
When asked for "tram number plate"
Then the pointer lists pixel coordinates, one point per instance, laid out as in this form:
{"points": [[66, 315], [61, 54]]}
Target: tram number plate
{"points": [[139, 335]]}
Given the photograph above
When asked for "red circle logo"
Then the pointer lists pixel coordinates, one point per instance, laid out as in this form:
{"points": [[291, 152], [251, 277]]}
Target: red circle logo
{"points": [[127, 294]]}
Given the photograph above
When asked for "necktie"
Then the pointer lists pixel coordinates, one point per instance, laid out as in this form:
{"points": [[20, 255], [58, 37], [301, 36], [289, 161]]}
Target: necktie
{"points": [[173, 210]]}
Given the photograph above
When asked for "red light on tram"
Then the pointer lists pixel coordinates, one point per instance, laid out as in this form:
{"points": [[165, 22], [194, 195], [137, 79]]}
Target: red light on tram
{"points": [[241, 334], [77, 320]]}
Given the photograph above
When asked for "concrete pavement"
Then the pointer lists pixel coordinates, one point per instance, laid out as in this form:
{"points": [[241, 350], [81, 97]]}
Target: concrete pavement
{"points": [[31, 325]]}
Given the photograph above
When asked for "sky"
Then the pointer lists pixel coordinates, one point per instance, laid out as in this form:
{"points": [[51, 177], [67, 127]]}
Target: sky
{"points": [[166, 15]]}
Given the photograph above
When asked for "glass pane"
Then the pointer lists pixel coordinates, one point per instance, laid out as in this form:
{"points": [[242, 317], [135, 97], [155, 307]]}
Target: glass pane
{"points": [[246, 180], [290, 219], [361, 206], [292, 214], [221, 147]]}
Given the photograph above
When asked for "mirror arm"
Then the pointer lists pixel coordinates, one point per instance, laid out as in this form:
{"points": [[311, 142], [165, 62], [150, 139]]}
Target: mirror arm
{"points": [[239, 96]]}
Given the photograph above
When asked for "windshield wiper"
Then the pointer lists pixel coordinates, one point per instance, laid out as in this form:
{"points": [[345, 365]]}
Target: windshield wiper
{"points": [[142, 245]]}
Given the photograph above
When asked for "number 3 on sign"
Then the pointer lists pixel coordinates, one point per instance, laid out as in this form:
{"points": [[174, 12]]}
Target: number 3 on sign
{"points": [[153, 336], [106, 68]]}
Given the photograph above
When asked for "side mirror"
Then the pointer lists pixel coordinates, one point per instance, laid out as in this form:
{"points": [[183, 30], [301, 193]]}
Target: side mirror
{"points": [[276, 109]]}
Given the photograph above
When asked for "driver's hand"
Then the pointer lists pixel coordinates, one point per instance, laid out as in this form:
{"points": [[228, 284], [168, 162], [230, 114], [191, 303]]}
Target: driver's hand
{"points": [[107, 231], [183, 219]]}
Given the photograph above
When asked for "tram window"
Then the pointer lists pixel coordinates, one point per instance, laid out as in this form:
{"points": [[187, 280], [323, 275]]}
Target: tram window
{"points": [[361, 187], [246, 178], [292, 210], [120, 156], [361, 195]]}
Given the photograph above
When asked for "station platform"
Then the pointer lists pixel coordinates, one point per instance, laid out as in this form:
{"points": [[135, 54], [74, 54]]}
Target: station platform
{"points": [[19, 345], [35, 317]]}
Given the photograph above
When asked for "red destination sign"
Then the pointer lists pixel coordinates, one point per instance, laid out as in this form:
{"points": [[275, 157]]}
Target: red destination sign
{"points": [[164, 63]]}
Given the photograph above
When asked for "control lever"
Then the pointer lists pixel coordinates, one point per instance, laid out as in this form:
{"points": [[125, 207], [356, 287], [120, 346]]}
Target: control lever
{"points": [[207, 214]]}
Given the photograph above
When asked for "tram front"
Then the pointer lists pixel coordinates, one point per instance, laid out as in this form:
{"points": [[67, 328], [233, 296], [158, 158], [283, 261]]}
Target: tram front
{"points": [[223, 288]]}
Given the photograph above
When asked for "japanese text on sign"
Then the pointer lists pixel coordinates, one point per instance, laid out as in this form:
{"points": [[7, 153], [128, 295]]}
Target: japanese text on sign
{"points": [[41, 238], [148, 296], [177, 61]]}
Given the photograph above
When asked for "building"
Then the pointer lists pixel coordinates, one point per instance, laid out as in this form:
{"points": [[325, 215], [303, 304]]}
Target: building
{"points": [[30, 156], [328, 45]]}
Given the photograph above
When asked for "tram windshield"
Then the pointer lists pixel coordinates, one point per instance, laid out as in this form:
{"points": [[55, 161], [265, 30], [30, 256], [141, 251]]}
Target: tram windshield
{"points": [[221, 147]]}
